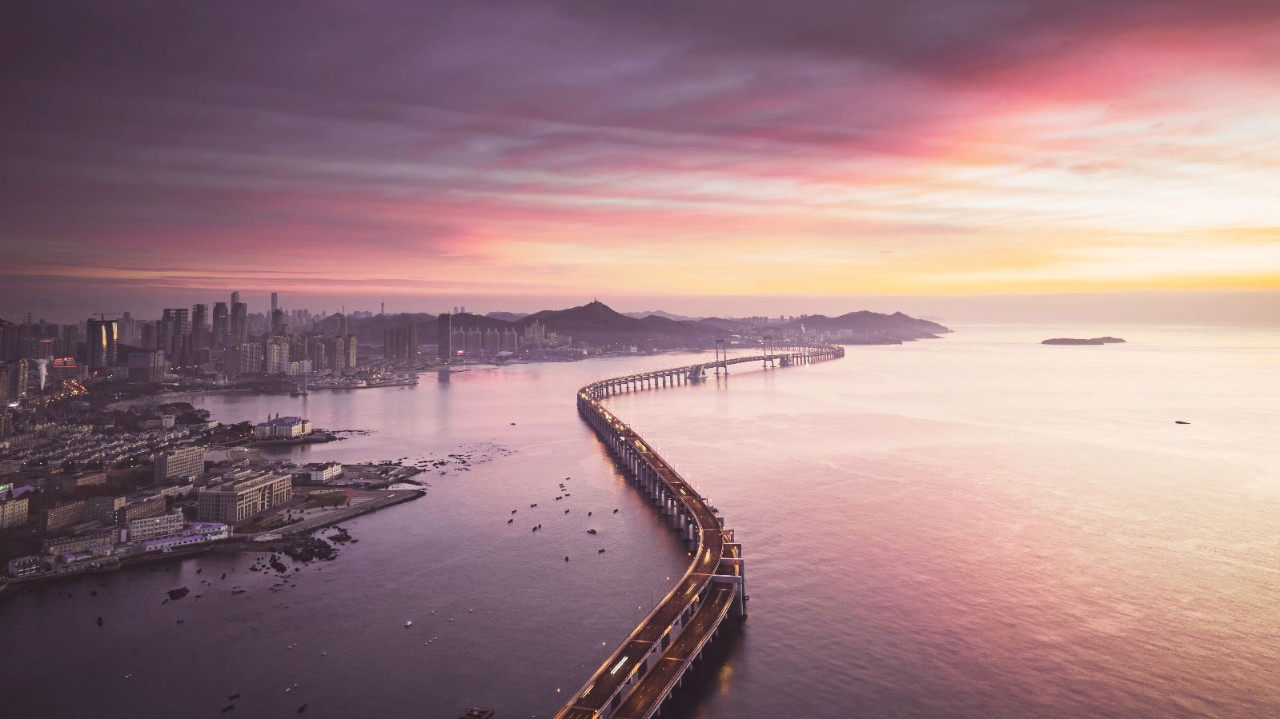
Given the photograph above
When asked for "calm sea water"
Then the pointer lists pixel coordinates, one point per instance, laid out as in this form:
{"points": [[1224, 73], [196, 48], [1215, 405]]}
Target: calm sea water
{"points": [[969, 527]]}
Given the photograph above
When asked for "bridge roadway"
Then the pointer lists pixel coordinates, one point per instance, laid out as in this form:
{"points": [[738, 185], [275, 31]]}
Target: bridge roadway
{"points": [[647, 666], [694, 373]]}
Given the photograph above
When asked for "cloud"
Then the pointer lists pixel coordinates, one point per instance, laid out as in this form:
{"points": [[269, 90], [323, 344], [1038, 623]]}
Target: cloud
{"points": [[378, 142]]}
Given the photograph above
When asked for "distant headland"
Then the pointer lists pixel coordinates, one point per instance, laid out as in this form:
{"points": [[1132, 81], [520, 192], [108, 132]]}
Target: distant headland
{"points": [[1082, 341]]}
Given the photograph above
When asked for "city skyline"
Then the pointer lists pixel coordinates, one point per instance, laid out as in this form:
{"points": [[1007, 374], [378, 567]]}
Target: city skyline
{"points": [[1005, 162]]}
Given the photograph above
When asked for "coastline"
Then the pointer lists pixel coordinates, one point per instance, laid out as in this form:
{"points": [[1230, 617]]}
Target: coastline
{"points": [[236, 544]]}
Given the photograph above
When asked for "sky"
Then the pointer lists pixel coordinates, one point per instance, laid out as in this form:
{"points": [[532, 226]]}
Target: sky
{"points": [[974, 158]]}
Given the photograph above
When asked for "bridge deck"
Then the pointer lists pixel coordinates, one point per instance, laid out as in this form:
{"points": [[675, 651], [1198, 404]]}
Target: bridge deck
{"points": [[709, 601], [648, 694]]}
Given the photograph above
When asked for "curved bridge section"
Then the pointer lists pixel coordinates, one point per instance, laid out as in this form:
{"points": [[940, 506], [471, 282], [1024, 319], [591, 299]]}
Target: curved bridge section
{"points": [[649, 664]]}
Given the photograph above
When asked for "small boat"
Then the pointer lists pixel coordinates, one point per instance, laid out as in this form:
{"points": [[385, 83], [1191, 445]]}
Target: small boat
{"points": [[476, 713], [591, 531], [408, 624]]}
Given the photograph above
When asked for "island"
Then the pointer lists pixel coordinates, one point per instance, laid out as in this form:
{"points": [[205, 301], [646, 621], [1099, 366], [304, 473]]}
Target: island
{"points": [[1082, 341]]}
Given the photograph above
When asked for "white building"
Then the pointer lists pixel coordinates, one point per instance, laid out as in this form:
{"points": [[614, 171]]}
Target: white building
{"points": [[239, 499], [164, 525], [282, 428], [180, 463], [321, 473]]}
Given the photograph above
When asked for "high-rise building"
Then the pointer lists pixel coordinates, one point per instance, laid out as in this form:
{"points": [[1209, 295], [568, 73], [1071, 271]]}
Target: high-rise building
{"points": [[277, 323], [239, 324], [130, 331], [235, 297], [253, 357], [400, 343], [200, 326], [147, 366], [173, 337], [315, 349], [6, 338], [104, 336], [277, 355], [351, 352], [71, 340], [510, 340], [444, 334], [275, 303], [221, 325]]}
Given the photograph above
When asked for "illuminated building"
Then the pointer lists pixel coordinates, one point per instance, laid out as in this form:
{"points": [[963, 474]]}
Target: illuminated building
{"points": [[13, 512], [104, 336]]}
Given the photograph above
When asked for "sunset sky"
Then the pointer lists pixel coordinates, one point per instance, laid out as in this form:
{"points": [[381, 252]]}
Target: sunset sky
{"points": [[702, 156]]}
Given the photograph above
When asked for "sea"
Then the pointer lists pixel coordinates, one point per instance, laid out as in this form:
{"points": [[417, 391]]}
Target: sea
{"points": [[972, 526]]}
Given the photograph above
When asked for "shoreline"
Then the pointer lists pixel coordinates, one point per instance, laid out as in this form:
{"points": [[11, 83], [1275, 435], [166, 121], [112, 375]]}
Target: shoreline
{"points": [[236, 544]]}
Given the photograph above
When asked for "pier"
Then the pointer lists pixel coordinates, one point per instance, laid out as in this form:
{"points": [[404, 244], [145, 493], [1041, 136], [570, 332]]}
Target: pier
{"points": [[644, 670]]}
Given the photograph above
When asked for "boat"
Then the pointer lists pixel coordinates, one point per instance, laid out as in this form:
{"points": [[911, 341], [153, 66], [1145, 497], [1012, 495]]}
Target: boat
{"points": [[476, 713], [408, 624]]}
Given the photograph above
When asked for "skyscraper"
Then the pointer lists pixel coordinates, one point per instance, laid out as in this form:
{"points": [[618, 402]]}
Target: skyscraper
{"points": [[277, 323], [235, 297], [239, 323], [444, 333], [175, 329], [103, 338], [71, 340], [275, 300], [200, 326], [220, 325]]}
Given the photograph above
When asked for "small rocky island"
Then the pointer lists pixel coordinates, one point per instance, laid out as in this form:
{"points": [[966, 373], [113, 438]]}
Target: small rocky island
{"points": [[1082, 341]]}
